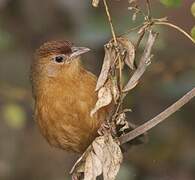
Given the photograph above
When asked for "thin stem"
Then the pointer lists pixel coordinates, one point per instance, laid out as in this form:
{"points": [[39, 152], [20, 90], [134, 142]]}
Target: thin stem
{"points": [[149, 9], [130, 30], [158, 119], [140, 39], [115, 42], [110, 21], [175, 27]]}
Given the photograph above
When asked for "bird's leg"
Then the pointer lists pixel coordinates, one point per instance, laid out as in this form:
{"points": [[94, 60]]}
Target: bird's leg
{"points": [[105, 127], [77, 176]]}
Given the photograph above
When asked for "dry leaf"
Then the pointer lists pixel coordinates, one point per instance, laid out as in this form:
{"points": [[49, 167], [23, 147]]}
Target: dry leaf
{"points": [[130, 50], [125, 127], [79, 166], [93, 167], [105, 69], [132, 1], [104, 157], [121, 119], [112, 159], [144, 62], [95, 3], [104, 98], [122, 122], [108, 152]]}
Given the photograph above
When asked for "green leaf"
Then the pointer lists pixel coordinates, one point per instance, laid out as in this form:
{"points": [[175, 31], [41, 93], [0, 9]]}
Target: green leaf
{"points": [[14, 115], [171, 3], [193, 32], [193, 9]]}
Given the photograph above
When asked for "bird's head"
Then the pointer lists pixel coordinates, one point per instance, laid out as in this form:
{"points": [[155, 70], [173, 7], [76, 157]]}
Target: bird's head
{"points": [[56, 57], [55, 62]]}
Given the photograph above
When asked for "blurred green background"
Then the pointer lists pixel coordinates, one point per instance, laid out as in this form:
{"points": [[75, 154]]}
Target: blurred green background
{"points": [[25, 24]]}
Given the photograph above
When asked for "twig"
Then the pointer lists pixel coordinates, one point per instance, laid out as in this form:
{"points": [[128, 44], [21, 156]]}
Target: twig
{"points": [[116, 43], [139, 40], [149, 9], [131, 30], [175, 27], [158, 119], [110, 21]]}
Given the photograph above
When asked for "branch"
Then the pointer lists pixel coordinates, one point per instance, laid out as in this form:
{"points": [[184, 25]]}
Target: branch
{"points": [[158, 119], [175, 27]]}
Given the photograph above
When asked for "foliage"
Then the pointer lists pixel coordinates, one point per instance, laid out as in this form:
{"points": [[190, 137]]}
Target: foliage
{"points": [[193, 32], [171, 3], [14, 115], [193, 13], [193, 9]]}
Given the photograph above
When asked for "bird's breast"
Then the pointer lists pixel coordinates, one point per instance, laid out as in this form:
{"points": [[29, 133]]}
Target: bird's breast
{"points": [[63, 114]]}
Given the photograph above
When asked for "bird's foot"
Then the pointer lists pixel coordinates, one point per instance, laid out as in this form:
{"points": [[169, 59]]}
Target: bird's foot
{"points": [[77, 176], [103, 129]]}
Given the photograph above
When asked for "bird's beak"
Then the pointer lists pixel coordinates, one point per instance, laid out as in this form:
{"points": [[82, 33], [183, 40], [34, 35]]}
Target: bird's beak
{"points": [[77, 51]]}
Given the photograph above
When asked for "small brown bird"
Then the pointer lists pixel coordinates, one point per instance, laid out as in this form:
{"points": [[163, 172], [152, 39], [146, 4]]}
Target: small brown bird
{"points": [[64, 95]]}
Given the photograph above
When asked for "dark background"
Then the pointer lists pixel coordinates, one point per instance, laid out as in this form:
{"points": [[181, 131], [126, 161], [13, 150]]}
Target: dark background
{"points": [[25, 24]]}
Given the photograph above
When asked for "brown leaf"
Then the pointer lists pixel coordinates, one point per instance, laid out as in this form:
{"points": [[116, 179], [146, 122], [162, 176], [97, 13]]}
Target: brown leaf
{"points": [[105, 69], [95, 3], [144, 62], [93, 167], [108, 152], [104, 98], [130, 50], [122, 121], [132, 1], [112, 159], [79, 165], [104, 157]]}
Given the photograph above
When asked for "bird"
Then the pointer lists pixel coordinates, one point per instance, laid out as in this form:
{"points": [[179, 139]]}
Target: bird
{"points": [[64, 94]]}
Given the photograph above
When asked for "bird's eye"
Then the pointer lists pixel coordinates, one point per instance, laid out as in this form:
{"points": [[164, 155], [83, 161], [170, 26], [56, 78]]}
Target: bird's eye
{"points": [[59, 59]]}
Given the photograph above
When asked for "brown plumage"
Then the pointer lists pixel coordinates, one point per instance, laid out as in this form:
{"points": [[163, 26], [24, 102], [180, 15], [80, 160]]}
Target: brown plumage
{"points": [[64, 96]]}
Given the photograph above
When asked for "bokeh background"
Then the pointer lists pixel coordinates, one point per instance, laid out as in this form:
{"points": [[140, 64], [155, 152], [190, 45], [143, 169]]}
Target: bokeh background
{"points": [[25, 24]]}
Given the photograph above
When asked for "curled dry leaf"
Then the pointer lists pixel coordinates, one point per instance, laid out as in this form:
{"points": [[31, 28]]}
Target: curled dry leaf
{"points": [[121, 119], [144, 62], [122, 122], [78, 168], [95, 3], [104, 98], [130, 51], [105, 68], [104, 157], [125, 46]]}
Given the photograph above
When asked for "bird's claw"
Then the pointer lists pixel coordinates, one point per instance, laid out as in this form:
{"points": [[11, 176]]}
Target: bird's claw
{"points": [[103, 129]]}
